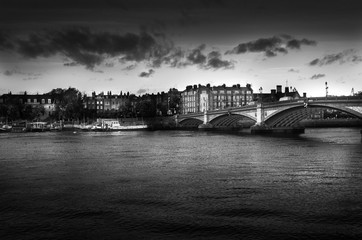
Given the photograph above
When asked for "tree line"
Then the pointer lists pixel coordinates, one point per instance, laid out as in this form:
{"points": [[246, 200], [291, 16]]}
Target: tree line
{"points": [[68, 106]]}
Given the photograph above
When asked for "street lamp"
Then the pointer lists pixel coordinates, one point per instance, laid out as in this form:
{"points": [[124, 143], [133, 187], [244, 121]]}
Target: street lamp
{"points": [[260, 96]]}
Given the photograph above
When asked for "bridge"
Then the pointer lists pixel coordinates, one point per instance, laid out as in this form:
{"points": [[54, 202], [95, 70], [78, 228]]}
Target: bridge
{"points": [[275, 115]]}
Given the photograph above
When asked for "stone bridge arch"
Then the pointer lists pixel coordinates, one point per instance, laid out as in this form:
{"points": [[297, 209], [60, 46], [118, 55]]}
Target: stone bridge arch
{"points": [[291, 116], [232, 120], [190, 122]]}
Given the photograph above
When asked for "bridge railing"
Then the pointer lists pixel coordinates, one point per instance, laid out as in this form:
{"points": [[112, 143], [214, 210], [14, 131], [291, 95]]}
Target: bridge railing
{"points": [[279, 103]]}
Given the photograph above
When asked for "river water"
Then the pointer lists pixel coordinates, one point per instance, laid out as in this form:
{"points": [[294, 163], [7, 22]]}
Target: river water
{"points": [[181, 185]]}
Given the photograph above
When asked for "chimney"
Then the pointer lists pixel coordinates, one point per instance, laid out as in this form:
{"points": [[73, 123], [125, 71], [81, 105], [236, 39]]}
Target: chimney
{"points": [[286, 89], [304, 95], [279, 88], [273, 91]]}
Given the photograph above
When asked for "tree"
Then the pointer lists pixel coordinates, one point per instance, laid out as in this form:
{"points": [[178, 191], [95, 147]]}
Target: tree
{"points": [[145, 108], [68, 103]]}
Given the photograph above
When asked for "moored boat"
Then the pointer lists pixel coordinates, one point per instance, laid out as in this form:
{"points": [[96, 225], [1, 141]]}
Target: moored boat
{"points": [[5, 128], [129, 127], [39, 127]]}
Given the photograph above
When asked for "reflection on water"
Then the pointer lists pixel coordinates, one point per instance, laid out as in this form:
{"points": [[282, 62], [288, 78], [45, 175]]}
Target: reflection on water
{"points": [[181, 185]]}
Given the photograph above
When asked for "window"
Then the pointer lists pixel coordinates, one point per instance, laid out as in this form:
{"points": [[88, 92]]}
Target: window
{"points": [[34, 100], [49, 100], [29, 100], [43, 101]]}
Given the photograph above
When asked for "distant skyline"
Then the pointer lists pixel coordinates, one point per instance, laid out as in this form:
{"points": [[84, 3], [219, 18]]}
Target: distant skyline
{"points": [[151, 46]]}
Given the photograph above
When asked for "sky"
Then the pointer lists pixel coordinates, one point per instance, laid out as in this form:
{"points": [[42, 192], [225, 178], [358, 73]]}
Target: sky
{"points": [[151, 46]]}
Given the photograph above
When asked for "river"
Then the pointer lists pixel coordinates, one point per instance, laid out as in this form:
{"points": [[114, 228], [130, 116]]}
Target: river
{"points": [[181, 185]]}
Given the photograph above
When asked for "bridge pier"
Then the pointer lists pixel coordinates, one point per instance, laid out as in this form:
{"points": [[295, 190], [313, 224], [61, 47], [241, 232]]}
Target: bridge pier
{"points": [[259, 114], [261, 128], [205, 125]]}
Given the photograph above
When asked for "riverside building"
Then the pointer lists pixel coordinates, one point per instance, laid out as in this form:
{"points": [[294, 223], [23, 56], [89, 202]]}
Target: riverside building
{"points": [[199, 98]]}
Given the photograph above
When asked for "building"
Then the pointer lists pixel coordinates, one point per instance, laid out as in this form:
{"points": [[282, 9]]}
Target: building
{"points": [[107, 102], [199, 98], [33, 100], [277, 95]]}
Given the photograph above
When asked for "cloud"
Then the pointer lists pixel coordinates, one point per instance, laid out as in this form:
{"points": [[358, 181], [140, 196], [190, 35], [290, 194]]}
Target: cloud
{"points": [[196, 56], [215, 62], [8, 73], [86, 47], [348, 55], [271, 46], [142, 91], [317, 76], [81, 46], [27, 75], [296, 44], [109, 64], [71, 64], [147, 74], [293, 70], [178, 58], [130, 67], [173, 59], [5, 41]]}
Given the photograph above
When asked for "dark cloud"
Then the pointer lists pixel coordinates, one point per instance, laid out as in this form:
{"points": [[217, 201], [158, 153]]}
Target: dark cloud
{"points": [[270, 53], [130, 67], [35, 46], [81, 46], [26, 75], [147, 74], [173, 59], [17, 72], [8, 73], [142, 91], [271, 46], [5, 41], [296, 44], [314, 62], [70, 64], [196, 56], [342, 57], [178, 58], [215, 62], [317, 76], [293, 70], [109, 64], [85, 47], [356, 59]]}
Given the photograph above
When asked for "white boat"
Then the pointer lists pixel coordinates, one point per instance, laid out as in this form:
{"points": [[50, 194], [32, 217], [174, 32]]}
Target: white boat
{"points": [[129, 127], [114, 125], [5, 128]]}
